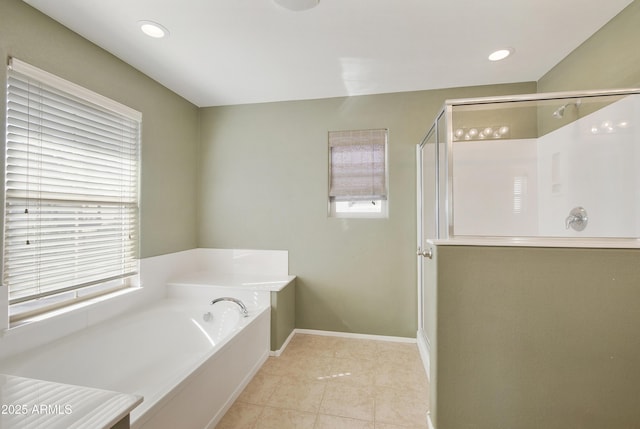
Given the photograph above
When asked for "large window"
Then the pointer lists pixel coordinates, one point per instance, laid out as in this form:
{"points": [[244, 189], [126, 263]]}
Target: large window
{"points": [[71, 192], [358, 173]]}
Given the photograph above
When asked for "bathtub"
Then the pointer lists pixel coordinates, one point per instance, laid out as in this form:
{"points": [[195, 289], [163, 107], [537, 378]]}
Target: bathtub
{"points": [[188, 367]]}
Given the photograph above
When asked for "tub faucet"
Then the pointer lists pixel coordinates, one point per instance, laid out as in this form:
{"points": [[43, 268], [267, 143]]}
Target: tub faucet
{"points": [[243, 308]]}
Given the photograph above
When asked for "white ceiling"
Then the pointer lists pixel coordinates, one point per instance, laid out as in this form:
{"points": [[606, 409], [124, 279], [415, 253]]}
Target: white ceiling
{"points": [[223, 52]]}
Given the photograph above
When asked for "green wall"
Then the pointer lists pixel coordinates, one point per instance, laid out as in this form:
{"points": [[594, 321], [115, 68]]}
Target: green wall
{"points": [[169, 127], [537, 338], [609, 59], [264, 185], [283, 315]]}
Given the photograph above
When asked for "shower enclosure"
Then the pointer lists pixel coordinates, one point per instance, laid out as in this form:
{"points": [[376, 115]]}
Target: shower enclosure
{"points": [[563, 165], [543, 170]]}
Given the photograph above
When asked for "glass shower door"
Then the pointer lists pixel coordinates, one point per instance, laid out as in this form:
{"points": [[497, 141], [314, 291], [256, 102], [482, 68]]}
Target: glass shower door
{"points": [[427, 231]]}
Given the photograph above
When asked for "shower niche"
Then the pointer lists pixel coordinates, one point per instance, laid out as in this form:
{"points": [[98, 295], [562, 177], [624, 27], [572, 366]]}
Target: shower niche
{"points": [[561, 165]]}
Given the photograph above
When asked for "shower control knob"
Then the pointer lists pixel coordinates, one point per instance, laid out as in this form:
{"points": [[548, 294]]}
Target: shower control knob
{"points": [[577, 219]]}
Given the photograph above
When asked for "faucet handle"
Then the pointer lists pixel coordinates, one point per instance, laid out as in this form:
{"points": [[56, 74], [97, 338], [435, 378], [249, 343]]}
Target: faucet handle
{"points": [[577, 219]]}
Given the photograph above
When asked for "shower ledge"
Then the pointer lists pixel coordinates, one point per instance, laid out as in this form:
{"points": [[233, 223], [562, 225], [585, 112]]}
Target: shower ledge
{"points": [[606, 243]]}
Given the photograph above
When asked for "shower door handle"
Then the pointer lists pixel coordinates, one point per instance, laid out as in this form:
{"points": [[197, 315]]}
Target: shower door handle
{"points": [[428, 253]]}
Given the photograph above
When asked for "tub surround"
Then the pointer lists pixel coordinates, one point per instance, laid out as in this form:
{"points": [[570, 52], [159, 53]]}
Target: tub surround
{"points": [[279, 291], [242, 261], [252, 271], [155, 273], [36, 403], [253, 299]]}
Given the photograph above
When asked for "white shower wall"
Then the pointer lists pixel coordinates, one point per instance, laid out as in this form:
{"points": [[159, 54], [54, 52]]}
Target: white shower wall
{"points": [[495, 187], [527, 187], [596, 166]]}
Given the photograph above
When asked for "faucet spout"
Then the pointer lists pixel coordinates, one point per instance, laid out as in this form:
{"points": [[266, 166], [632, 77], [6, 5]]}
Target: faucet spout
{"points": [[243, 308]]}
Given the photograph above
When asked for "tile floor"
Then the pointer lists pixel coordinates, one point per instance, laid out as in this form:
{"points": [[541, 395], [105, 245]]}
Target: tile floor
{"points": [[324, 382]]}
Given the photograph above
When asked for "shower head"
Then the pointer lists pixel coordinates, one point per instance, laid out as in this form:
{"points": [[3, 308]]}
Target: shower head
{"points": [[559, 112]]}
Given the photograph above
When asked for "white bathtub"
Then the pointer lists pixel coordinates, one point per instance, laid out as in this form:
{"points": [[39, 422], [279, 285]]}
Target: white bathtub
{"points": [[189, 370]]}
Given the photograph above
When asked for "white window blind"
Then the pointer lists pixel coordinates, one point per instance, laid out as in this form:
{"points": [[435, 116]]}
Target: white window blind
{"points": [[357, 165], [71, 186]]}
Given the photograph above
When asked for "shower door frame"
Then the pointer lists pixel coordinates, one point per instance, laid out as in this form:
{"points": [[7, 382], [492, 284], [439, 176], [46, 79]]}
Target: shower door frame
{"points": [[424, 243], [447, 111], [426, 250]]}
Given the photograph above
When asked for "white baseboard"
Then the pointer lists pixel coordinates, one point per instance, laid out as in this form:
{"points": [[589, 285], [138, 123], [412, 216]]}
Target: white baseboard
{"points": [[429, 422], [284, 345], [278, 352], [356, 336], [423, 348]]}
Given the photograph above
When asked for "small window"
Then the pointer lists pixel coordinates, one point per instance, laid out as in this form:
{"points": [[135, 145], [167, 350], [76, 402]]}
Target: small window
{"points": [[71, 193], [358, 173]]}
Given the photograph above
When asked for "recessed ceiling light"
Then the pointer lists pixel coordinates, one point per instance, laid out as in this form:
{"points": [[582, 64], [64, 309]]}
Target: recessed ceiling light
{"points": [[153, 29], [297, 5], [500, 54]]}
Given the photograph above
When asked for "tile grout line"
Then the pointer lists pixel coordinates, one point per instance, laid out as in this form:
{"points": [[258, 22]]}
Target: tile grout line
{"points": [[324, 392]]}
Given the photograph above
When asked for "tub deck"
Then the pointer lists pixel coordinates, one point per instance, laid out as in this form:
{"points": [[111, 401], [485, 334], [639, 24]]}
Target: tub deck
{"points": [[248, 281]]}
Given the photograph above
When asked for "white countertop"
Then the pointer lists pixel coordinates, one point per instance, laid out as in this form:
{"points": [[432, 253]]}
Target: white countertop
{"points": [[268, 282], [35, 404]]}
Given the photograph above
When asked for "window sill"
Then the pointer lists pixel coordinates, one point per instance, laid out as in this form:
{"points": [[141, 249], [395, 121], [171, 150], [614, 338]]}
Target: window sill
{"points": [[358, 216], [67, 311]]}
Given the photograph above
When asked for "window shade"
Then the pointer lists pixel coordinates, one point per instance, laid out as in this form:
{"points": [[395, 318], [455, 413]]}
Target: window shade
{"points": [[71, 182], [357, 169]]}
